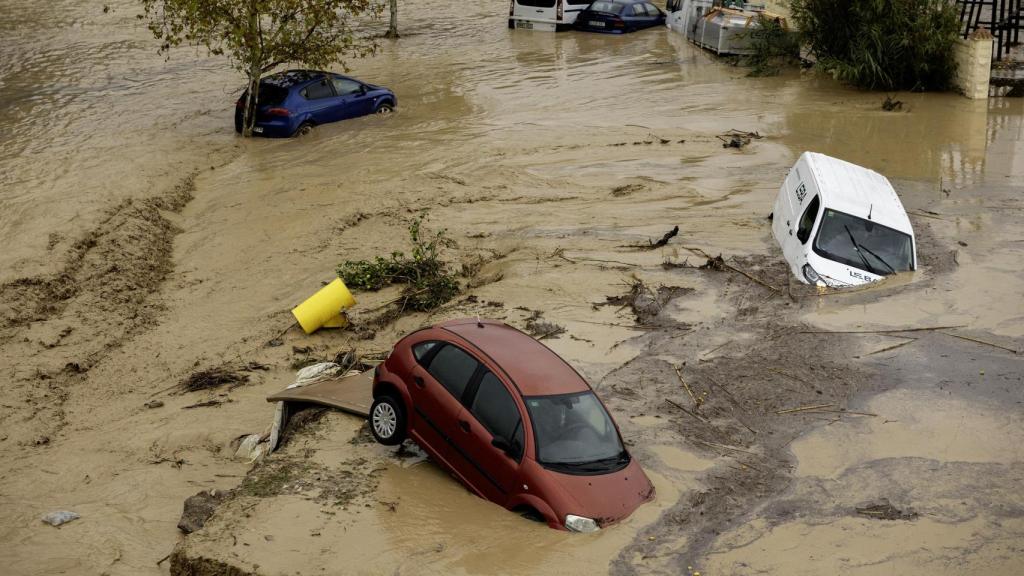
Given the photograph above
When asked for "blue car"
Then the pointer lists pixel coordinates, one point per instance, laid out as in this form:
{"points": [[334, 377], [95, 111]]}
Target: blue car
{"points": [[619, 16], [295, 101]]}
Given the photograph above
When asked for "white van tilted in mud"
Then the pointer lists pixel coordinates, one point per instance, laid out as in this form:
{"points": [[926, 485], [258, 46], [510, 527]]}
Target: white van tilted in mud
{"points": [[545, 15], [840, 224]]}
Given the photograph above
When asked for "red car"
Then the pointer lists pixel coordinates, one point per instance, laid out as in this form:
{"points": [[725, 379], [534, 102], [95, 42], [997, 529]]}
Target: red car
{"points": [[511, 420]]}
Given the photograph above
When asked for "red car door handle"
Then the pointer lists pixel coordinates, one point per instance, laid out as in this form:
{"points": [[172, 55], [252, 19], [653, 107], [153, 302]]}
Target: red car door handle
{"points": [[418, 381], [464, 425]]}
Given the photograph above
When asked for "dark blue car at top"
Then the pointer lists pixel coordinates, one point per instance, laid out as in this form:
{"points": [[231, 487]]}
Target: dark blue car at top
{"points": [[619, 16], [295, 101]]}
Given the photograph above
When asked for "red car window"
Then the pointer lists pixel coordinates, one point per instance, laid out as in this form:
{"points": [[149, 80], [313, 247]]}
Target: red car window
{"points": [[494, 407], [422, 350], [453, 368]]}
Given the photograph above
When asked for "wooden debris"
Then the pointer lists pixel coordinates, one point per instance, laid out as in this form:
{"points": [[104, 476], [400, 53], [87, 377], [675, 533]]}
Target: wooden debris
{"points": [[804, 408], [888, 348], [843, 411], [791, 377], [718, 263], [977, 341], [716, 349], [890, 331], [696, 402], [737, 138], [886, 511], [205, 404], [213, 378], [691, 413], [664, 239], [725, 447]]}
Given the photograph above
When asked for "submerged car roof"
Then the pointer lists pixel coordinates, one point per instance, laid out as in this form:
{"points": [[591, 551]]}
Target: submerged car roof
{"points": [[535, 369], [857, 191], [290, 78]]}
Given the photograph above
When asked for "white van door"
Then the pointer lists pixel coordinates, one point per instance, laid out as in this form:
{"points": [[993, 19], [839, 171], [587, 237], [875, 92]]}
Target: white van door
{"points": [[804, 231], [573, 9], [797, 209], [533, 13], [674, 15]]}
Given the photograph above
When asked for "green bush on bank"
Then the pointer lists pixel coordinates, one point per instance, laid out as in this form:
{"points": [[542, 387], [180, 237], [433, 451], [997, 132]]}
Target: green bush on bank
{"points": [[882, 44], [428, 279], [774, 46]]}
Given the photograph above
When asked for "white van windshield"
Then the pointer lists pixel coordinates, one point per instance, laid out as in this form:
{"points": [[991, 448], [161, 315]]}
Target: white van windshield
{"points": [[863, 244]]}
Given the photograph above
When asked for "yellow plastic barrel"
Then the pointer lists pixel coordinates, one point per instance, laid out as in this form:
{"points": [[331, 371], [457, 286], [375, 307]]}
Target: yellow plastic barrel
{"points": [[325, 308]]}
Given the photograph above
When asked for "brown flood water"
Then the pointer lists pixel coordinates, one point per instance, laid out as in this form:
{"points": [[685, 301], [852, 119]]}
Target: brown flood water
{"points": [[515, 141]]}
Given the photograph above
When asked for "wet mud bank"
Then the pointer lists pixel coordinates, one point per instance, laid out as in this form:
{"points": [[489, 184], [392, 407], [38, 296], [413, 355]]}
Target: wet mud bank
{"points": [[732, 401], [55, 328]]}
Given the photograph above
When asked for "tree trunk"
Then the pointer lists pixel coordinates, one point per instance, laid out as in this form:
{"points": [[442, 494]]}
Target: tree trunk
{"points": [[393, 29], [255, 73], [251, 101]]}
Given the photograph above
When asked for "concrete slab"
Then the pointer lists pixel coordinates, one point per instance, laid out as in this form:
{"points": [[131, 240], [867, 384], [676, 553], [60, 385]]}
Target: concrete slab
{"points": [[351, 394]]}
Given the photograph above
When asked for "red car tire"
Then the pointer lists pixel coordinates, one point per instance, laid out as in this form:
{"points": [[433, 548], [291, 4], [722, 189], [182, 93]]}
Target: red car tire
{"points": [[388, 420]]}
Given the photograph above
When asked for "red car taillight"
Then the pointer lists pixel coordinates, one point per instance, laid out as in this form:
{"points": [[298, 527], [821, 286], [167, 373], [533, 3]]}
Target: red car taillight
{"points": [[618, 23], [279, 112]]}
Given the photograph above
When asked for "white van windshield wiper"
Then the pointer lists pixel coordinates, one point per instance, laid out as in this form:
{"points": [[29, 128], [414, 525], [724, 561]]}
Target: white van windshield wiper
{"points": [[856, 248], [880, 259]]}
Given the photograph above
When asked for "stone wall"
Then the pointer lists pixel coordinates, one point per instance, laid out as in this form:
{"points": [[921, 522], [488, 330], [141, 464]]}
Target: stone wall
{"points": [[974, 64], [780, 7]]}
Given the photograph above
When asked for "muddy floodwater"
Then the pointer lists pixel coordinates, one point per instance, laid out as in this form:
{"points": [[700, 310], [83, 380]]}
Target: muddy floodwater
{"points": [[143, 241]]}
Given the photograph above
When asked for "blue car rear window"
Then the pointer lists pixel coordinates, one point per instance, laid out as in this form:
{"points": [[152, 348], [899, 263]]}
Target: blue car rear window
{"points": [[271, 95], [610, 7]]}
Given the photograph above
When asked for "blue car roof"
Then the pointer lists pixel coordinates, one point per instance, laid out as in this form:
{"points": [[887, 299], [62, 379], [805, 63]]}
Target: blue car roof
{"points": [[290, 78]]}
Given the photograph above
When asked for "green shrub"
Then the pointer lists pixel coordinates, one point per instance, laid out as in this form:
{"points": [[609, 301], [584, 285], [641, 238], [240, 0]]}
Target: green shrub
{"points": [[774, 46], [882, 44], [428, 280]]}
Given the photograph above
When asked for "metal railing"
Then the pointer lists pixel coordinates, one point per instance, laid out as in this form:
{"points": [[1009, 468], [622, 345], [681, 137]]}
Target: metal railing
{"points": [[1003, 18]]}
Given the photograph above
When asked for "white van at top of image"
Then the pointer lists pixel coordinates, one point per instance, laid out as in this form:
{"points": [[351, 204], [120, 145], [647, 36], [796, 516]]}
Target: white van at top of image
{"points": [[545, 15], [840, 224]]}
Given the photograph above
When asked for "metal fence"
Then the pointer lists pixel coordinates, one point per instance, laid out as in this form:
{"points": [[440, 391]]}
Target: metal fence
{"points": [[1003, 18]]}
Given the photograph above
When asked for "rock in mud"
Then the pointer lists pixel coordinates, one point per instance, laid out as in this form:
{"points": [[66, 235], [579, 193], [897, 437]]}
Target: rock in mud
{"points": [[60, 517], [199, 508]]}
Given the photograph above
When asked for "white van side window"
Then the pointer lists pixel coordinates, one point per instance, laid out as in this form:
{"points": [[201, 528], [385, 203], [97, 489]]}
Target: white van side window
{"points": [[803, 232]]}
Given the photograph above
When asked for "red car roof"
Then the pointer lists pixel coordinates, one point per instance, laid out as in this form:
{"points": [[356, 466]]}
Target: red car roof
{"points": [[535, 369]]}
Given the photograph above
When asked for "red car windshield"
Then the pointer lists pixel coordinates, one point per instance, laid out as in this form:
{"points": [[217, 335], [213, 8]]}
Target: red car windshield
{"points": [[575, 434]]}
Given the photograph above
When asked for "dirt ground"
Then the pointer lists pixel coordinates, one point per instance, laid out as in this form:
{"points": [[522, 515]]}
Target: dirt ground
{"points": [[786, 431]]}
